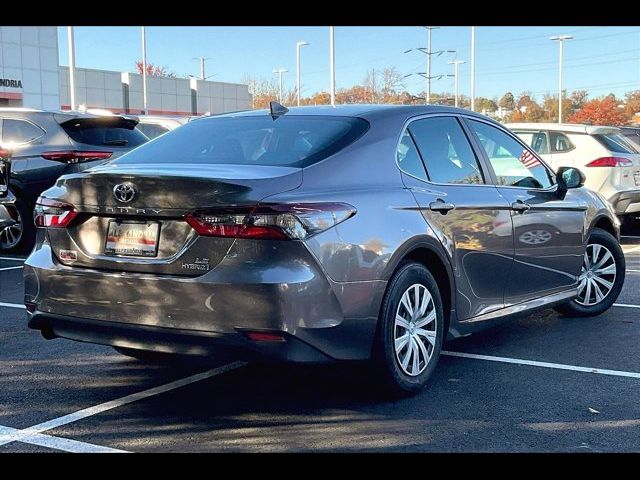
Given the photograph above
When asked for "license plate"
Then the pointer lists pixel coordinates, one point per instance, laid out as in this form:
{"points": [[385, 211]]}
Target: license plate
{"points": [[636, 177], [132, 239]]}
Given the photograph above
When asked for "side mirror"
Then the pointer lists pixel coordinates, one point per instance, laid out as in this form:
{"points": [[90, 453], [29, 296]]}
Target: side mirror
{"points": [[568, 177], [5, 170]]}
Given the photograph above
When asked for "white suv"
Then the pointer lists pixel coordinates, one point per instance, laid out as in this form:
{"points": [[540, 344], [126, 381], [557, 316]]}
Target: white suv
{"points": [[610, 161]]}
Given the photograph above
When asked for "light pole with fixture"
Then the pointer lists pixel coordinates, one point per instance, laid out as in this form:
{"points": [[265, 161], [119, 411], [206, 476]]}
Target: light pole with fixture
{"points": [[298, 45], [560, 39], [280, 72], [455, 64]]}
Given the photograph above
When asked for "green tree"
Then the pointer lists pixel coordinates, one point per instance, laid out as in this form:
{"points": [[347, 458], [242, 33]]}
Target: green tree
{"points": [[507, 101]]}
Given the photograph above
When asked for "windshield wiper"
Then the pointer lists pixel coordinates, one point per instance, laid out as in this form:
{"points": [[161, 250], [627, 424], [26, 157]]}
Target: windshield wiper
{"points": [[117, 143]]}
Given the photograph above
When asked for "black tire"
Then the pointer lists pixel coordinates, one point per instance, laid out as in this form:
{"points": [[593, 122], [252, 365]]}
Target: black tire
{"points": [[28, 234], [388, 371], [575, 309], [151, 357]]}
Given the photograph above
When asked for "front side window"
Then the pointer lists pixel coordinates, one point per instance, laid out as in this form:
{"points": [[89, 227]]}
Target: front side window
{"points": [[446, 151], [408, 157], [513, 164], [19, 131], [560, 142]]}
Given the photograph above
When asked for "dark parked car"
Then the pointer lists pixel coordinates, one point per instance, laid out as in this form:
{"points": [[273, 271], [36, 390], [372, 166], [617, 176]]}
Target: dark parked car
{"points": [[48, 144], [319, 234], [6, 197]]}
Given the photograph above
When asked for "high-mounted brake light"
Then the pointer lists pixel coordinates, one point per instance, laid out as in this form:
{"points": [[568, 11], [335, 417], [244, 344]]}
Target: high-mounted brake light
{"points": [[295, 221], [75, 156], [53, 213], [610, 162]]}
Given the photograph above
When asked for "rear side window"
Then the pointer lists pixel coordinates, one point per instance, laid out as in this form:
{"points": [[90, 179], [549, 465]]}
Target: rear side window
{"points": [[19, 131], [104, 132], [560, 142], [294, 141], [615, 142], [408, 157], [446, 151]]}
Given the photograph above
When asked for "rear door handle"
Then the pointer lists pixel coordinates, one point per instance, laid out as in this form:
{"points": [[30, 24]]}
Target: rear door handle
{"points": [[520, 206], [441, 206]]}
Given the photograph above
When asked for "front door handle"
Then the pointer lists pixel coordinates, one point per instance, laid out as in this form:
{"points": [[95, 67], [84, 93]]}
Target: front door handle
{"points": [[441, 206], [520, 206]]}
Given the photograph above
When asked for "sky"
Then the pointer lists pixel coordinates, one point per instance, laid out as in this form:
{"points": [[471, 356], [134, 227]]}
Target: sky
{"points": [[601, 60]]}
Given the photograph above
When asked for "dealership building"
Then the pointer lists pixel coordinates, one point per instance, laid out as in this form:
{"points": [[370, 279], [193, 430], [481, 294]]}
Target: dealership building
{"points": [[30, 76]]}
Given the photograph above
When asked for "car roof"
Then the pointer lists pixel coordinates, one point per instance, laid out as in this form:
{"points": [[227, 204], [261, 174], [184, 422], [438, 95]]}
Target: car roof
{"points": [[366, 111], [564, 127]]}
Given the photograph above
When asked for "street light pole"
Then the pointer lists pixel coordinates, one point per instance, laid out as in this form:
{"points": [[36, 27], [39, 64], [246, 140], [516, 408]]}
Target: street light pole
{"points": [[561, 39], [298, 45], [72, 68], [332, 69], [144, 71], [455, 64], [280, 71], [473, 69]]}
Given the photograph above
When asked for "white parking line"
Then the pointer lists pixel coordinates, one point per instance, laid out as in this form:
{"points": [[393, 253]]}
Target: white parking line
{"points": [[24, 435], [8, 434], [632, 271], [625, 305], [533, 363], [13, 259], [10, 268], [631, 250], [11, 305]]}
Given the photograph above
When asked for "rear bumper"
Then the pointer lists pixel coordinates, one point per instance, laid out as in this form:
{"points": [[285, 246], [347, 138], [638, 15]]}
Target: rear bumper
{"points": [[626, 202], [172, 340], [288, 293]]}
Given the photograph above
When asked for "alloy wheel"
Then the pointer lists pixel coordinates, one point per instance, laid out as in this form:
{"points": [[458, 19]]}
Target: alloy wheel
{"points": [[535, 237], [598, 275], [10, 236], [415, 329]]}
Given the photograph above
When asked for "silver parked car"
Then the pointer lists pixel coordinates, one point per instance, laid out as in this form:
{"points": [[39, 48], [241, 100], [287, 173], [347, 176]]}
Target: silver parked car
{"points": [[364, 232]]}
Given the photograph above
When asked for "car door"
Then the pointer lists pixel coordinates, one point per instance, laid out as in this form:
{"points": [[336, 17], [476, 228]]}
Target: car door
{"points": [[548, 231], [469, 216]]}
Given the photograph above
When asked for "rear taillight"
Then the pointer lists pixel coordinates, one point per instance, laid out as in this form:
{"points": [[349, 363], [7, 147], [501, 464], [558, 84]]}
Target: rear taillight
{"points": [[275, 222], [610, 162], [76, 156], [53, 213]]}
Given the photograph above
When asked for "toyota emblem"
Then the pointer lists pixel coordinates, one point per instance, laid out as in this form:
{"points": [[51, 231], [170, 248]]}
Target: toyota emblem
{"points": [[124, 192]]}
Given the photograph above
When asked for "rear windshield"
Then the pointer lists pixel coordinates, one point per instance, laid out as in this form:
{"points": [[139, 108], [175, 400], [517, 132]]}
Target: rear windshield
{"points": [[616, 142], [104, 132], [294, 141]]}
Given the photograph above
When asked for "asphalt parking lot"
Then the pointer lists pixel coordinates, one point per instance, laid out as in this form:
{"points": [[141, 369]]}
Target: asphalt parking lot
{"points": [[544, 383]]}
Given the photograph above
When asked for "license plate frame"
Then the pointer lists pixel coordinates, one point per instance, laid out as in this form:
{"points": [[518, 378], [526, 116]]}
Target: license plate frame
{"points": [[144, 251]]}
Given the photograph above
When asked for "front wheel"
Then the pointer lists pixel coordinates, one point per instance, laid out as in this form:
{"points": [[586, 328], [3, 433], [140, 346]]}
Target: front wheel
{"points": [[410, 331], [601, 277]]}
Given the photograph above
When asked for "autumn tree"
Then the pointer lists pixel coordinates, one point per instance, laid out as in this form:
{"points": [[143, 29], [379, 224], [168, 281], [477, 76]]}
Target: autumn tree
{"points": [[507, 101], [602, 111], [154, 70], [527, 109], [631, 104], [578, 99]]}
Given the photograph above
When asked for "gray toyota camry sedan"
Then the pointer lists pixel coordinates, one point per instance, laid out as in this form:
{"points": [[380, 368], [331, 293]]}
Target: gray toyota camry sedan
{"points": [[360, 232]]}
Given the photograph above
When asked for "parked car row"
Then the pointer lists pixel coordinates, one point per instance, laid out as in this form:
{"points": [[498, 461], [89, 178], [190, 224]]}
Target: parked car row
{"points": [[320, 234], [48, 144], [608, 156]]}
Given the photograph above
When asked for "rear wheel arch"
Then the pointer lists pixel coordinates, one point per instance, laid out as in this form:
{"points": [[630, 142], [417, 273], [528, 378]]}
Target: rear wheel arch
{"points": [[428, 252]]}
